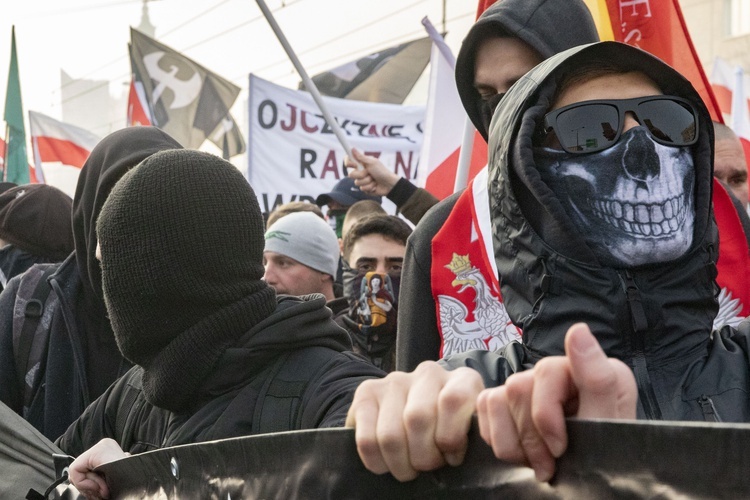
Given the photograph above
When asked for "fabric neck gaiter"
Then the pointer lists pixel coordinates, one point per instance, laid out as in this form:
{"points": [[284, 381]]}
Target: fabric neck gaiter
{"points": [[373, 311], [633, 203], [336, 220], [487, 108]]}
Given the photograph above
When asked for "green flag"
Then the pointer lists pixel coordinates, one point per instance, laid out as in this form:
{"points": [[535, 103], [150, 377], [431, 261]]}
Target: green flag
{"points": [[16, 161]]}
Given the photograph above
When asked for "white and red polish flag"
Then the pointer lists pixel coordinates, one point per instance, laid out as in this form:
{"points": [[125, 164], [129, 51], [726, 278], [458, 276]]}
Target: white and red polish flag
{"points": [[730, 85], [443, 138], [722, 83], [60, 150], [740, 122]]}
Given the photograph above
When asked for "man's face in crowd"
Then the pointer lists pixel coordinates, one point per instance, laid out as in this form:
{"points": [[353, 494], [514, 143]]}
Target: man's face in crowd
{"points": [[500, 62], [291, 277], [730, 167], [335, 216], [374, 252]]}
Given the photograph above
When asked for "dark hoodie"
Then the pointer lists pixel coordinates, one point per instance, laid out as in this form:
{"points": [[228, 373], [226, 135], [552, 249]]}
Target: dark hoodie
{"points": [[548, 26], [656, 318], [83, 359], [108, 162]]}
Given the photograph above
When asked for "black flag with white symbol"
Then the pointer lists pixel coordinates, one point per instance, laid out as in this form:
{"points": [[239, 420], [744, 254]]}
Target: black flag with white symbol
{"points": [[188, 101]]}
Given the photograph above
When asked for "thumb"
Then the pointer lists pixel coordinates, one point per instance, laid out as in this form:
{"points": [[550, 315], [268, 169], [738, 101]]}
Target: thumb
{"points": [[594, 376]]}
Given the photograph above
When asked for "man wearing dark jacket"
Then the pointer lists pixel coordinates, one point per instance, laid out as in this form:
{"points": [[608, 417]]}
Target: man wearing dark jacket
{"points": [[600, 189], [74, 349], [509, 39], [217, 355]]}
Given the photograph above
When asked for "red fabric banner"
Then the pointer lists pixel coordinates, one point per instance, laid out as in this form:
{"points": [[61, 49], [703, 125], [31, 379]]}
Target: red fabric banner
{"points": [[659, 28]]}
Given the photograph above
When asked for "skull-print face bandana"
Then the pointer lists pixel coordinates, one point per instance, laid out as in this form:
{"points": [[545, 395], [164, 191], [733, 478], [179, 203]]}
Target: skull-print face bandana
{"points": [[632, 202]]}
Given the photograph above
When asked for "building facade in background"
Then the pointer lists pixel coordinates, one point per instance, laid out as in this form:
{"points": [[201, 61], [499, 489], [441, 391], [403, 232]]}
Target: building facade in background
{"points": [[719, 28]]}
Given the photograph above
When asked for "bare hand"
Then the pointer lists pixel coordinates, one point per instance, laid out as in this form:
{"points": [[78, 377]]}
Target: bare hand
{"points": [[90, 484], [374, 178], [411, 422], [524, 420]]}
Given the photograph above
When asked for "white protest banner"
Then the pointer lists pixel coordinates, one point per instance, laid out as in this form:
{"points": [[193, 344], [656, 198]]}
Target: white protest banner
{"points": [[293, 154]]}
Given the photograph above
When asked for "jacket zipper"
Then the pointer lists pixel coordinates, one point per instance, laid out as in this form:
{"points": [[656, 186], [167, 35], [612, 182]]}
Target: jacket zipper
{"points": [[639, 322], [709, 410]]}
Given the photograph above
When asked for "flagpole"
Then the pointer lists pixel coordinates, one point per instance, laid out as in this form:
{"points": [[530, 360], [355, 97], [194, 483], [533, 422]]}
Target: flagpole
{"points": [[4, 177], [467, 143], [438, 40], [309, 84]]}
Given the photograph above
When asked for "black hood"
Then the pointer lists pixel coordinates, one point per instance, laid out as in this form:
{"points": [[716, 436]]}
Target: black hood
{"points": [[112, 157], [549, 26], [543, 260]]}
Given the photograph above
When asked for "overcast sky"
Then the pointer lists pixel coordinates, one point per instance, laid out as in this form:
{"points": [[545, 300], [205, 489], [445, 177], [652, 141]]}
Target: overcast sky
{"points": [[88, 38]]}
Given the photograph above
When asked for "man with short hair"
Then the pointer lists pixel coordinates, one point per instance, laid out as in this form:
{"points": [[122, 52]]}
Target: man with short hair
{"points": [[301, 255], [730, 166], [359, 210], [373, 253]]}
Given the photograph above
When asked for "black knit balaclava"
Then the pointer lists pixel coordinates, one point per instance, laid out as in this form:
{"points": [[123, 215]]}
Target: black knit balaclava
{"points": [[181, 239]]}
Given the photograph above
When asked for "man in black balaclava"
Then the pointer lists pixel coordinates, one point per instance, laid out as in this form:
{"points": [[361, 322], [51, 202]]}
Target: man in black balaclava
{"points": [[73, 330], [181, 247]]}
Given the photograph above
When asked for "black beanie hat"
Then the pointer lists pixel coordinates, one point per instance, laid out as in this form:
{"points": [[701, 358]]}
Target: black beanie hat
{"points": [[181, 238], [36, 219]]}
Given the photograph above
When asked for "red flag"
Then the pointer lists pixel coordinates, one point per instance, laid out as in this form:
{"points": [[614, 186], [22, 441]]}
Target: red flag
{"points": [[62, 147], [137, 108]]}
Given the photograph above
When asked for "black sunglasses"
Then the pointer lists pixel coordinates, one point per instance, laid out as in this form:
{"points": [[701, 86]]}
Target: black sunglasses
{"points": [[591, 126]]}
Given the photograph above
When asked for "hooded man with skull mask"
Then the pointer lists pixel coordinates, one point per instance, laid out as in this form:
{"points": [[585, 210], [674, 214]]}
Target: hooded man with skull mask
{"points": [[600, 186]]}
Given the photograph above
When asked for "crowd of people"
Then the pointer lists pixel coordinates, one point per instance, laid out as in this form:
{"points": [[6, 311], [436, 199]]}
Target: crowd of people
{"points": [[574, 276]]}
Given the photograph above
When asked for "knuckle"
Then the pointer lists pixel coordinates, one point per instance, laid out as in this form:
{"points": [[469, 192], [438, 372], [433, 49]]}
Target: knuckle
{"points": [[367, 445], [390, 442], [417, 419], [518, 386], [493, 398], [427, 367], [454, 441], [452, 400]]}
